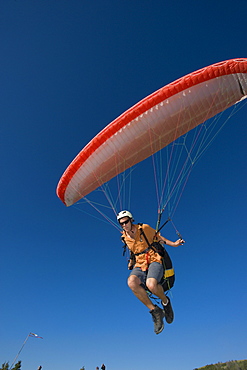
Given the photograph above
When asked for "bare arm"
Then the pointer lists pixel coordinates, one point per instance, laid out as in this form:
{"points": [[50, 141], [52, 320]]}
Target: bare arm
{"points": [[170, 243]]}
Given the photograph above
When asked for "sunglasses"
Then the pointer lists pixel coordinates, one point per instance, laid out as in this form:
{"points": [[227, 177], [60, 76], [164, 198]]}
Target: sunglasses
{"points": [[124, 222]]}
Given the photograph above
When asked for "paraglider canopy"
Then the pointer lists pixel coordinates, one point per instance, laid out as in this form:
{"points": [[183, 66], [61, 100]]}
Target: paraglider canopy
{"points": [[152, 124]]}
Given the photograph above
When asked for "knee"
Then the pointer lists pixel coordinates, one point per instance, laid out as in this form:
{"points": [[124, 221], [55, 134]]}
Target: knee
{"points": [[151, 285], [133, 282]]}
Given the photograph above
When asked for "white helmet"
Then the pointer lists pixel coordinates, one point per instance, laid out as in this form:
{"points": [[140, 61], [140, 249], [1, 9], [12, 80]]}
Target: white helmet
{"points": [[124, 214]]}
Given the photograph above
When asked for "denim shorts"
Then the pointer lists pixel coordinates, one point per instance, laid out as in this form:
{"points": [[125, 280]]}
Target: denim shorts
{"points": [[155, 270]]}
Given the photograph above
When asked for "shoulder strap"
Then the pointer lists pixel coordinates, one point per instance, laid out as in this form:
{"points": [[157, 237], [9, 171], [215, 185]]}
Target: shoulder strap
{"points": [[166, 260], [125, 245], [146, 239]]}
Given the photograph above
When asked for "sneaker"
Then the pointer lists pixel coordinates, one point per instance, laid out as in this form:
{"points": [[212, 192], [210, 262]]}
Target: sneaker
{"points": [[168, 311], [158, 315]]}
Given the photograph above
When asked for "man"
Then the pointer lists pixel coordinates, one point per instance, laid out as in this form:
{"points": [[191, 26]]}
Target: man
{"points": [[148, 269]]}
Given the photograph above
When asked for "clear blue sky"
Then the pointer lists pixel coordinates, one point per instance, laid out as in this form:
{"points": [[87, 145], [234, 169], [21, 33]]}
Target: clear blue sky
{"points": [[68, 68]]}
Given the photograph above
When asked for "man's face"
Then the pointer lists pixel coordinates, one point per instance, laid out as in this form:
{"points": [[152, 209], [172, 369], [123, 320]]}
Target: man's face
{"points": [[125, 223]]}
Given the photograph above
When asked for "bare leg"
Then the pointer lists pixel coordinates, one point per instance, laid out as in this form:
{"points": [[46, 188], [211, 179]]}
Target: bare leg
{"points": [[135, 285], [157, 313], [156, 289]]}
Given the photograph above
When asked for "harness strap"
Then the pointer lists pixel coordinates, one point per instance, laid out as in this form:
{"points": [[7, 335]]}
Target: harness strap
{"points": [[146, 239], [145, 251], [166, 260], [124, 246]]}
